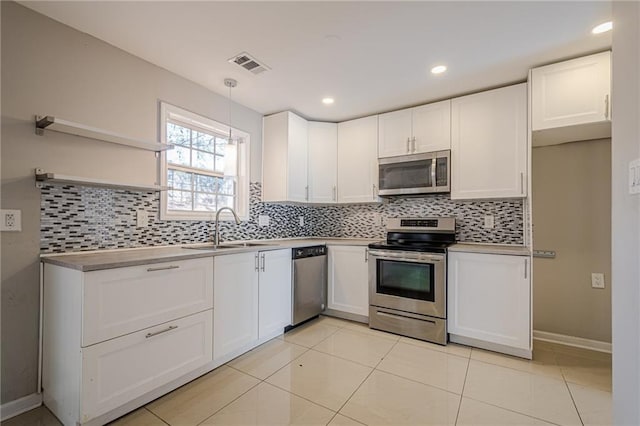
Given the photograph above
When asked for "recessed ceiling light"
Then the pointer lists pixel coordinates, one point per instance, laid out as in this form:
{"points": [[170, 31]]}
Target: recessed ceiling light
{"points": [[602, 28], [327, 101], [439, 69]]}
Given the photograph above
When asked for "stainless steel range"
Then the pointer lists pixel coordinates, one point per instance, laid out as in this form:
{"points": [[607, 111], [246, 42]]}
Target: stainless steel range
{"points": [[408, 278]]}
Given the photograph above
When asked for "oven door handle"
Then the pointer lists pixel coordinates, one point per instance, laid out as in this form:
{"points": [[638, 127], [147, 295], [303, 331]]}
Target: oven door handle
{"points": [[404, 258]]}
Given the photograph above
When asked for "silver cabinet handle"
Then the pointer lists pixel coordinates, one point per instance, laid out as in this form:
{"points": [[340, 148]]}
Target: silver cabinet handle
{"points": [[606, 106], [373, 191], [257, 263], [526, 266], [366, 255], [408, 145], [263, 262], [413, 139], [334, 193], [522, 183], [171, 327], [163, 268], [306, 193]]}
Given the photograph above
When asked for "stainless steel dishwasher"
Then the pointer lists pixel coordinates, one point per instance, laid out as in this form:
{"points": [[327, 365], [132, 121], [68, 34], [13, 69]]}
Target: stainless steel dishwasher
{"points": [[309, 293]]}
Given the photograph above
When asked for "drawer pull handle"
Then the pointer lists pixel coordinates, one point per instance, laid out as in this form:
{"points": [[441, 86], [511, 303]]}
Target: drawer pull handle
{"points": [[171, 327], [162, 268], [384, 314]]}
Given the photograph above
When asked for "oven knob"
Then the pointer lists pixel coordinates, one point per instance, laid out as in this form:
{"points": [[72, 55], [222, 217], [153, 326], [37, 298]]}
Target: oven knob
{"points": [[299, 252]]}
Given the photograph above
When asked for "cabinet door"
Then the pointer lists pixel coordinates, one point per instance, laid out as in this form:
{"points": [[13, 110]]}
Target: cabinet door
{"points": [[122, 300], [122, 369], [323, 162], [297, 161], [571, 92], [489, 144], [394, 133], [274, 292], [489, 298], [348, 280], [358, 160], [431, 126], [235, 303], [275, 154]]}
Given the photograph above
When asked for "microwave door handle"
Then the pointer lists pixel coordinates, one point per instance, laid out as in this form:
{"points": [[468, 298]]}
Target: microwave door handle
{"points": [[433, 172]]}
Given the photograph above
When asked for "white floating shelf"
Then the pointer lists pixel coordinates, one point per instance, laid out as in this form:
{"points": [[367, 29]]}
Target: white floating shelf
{"points": [[63, 126], [42, 176]]}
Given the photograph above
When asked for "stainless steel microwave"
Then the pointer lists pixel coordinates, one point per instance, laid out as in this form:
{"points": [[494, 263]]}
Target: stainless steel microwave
{"points": [[415, 174]]}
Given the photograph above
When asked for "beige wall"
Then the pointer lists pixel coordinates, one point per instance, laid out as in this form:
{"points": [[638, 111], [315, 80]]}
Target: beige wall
{"points": [[572, 215], [48, 68], [625, 215]]}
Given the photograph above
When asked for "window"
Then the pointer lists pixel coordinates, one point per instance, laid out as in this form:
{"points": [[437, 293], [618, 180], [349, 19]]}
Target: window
{"points": [[206, 169]]}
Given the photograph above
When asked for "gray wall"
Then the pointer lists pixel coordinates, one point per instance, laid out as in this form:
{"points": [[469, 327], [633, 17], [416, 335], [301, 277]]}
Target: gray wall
{"points": [[49, 68], [625, 215], [572, 215]]}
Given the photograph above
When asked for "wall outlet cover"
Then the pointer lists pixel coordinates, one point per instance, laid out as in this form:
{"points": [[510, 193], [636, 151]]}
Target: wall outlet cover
{"points": [[11, 220], [263, 220], [301, 220], [597, 280], [142, 218], [489, 221], [634, 176]]}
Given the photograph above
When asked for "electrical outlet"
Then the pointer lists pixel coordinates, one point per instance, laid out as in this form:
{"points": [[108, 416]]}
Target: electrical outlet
{"points": [[142, 218], [263, 220], [597, 280], [489, 221], [301, 220], [11, 220]]}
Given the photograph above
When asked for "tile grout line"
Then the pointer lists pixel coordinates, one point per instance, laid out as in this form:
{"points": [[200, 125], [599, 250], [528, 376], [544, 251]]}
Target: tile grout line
{"points": [[513, 411], [144, 407], [466, 375], [232, 401], [572, 399], [363, 381]]}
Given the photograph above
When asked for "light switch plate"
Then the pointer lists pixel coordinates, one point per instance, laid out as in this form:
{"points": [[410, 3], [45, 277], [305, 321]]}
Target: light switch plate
{"points": [[489, 221], [301, 220], [634, 176], [263, 220], [142, 218], [597, 280], [10, 220]]}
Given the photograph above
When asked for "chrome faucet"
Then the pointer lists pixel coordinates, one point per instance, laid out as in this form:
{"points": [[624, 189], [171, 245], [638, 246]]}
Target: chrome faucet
{"points": [[216, 238]]}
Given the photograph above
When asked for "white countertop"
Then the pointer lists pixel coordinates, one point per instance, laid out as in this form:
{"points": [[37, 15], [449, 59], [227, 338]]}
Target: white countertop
{"points": [[118, 258]]}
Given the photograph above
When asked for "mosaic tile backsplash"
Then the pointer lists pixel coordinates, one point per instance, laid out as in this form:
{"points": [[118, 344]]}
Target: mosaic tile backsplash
{"points": [[76, 218]]}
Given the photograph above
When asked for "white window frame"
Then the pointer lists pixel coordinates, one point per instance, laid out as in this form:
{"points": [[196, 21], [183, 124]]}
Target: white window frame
{"points": [[243, 141]]}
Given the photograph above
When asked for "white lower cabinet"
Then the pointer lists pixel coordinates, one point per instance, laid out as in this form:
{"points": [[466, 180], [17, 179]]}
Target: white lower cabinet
{"points": [[235, 303], [119, 370], [252, 300], [112, 339], [274, 293], [348, 279], [489, 301]]}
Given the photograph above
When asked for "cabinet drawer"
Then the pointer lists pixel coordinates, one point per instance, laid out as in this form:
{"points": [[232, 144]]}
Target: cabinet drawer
{"points": [[124, 300], [119, 370]]}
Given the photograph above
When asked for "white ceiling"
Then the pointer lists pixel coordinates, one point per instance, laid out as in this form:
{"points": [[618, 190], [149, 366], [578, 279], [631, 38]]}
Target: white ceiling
{"points": [[370, 56]]}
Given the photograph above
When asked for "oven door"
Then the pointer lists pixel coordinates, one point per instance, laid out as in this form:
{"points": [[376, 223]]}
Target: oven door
{"points": [[408, 281]]}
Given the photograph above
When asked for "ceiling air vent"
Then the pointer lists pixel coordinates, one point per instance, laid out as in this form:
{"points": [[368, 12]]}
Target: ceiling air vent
{"points": [[249, 63]]}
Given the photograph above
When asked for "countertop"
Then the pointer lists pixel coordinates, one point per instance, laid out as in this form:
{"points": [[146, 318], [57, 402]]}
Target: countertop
{"points": [[118, 258], [491, 249]]}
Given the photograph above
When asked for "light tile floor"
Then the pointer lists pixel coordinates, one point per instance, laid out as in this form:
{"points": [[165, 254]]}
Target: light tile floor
{"points": [[342, 373]]}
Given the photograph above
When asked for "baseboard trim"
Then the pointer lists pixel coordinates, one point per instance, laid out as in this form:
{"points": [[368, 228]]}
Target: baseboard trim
{"points": [[19, 406], [578, 342]]}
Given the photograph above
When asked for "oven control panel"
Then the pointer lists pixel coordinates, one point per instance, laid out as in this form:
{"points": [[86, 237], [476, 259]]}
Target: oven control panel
{"points": [[419, 223]]}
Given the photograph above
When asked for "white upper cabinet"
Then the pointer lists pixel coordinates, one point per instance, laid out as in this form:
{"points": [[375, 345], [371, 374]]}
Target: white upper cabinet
{"points": [[284, 158], [572, 93], [358, 160], [323, 162], [415, 130], [489, 144]]}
